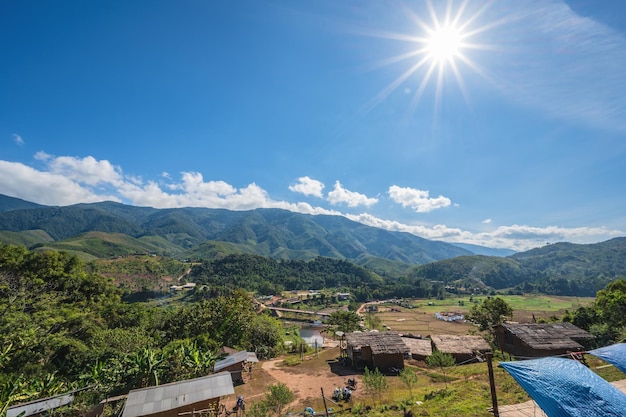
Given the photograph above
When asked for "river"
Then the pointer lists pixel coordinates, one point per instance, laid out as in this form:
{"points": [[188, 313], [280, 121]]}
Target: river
{"points": [[312, 336]]}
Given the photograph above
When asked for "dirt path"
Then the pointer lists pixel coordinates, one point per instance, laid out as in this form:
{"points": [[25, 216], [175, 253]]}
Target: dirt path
{"points": [[306, 383]]}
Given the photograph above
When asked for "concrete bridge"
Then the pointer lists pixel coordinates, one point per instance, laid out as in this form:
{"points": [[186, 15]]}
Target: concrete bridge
{"points": [[279, 310]]}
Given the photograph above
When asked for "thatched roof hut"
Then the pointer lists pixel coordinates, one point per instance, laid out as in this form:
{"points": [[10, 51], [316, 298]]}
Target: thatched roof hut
{"points": [[419, 348], [382, 350], [464, 348], [540, 339]]}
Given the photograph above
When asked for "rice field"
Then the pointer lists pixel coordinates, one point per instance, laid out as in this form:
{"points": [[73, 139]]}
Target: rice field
{"points": [[421, 320]]}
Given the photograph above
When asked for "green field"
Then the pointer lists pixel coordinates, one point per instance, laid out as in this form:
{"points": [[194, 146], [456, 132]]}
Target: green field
{"points": [[421, 320]]}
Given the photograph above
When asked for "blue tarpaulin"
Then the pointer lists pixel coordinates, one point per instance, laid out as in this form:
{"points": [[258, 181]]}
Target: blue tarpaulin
{"points": [[614, 354], [566, 388]]}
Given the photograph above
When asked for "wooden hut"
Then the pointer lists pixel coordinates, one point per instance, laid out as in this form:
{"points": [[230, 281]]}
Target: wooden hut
{"points": [[382, 350], [170, 400], [464, 348], [418, 348], [532, 340], [239, 365]]}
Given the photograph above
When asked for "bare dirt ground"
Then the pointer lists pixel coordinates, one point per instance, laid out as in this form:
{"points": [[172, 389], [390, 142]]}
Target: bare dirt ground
{"points": [[306, 380]]}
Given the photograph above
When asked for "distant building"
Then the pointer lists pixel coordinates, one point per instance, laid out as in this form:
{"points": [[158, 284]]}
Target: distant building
{"points": [[187, 286], [382, 350], [342, 296], [450, 316], [540, 339]]}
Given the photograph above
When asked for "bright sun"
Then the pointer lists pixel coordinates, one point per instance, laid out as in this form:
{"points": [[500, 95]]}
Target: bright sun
{"points": [[440, 48], [444, 44]]}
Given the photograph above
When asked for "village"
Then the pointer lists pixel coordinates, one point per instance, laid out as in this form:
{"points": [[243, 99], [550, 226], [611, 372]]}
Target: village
{"points": [[331, 378]]}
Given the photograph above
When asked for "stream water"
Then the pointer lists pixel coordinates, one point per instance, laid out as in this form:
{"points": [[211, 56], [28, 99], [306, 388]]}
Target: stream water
{"points": [[312, 336]]}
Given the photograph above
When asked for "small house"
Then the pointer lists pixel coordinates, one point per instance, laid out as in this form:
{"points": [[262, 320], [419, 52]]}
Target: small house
{"points": [[524, 340], [239, 365], [382, 350], [171, 400], [342, 296], [464, 348], [418, 348]]}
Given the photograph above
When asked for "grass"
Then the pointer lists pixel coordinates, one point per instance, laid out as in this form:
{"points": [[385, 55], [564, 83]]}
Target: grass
{"points": [[421, 320], [468, 390], [467, 393]]}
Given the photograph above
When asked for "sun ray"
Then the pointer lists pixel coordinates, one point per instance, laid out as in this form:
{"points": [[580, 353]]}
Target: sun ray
{"points": [[442, 43], [421, 88], [396, 59], [394, 85]]}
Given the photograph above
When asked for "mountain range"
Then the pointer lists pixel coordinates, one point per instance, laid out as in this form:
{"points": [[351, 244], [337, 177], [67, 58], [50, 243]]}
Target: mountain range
{"points": [[109, 230]]}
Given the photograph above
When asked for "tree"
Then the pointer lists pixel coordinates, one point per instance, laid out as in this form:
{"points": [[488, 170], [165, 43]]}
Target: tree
{"points": [[610, 304], [375, 383], [198, 361], [441, 360], [146, 366], [491, 312], [409, 377], [344, 321], [265, 336], [277, 397]]}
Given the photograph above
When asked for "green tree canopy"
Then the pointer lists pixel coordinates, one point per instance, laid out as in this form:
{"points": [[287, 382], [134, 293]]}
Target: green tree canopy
{"points": [[344, 321], [492, 311], [277, 397]]}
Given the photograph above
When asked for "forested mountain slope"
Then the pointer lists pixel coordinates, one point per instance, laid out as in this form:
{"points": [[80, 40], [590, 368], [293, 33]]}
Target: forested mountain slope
{"points": [[561, 268], [275, 233]]}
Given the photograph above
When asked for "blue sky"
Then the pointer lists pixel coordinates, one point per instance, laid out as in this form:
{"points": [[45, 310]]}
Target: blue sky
{"points": [[508, 131]]}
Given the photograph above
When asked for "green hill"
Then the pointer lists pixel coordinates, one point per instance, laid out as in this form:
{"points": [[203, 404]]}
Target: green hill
{"points": [[274, 233], [562, 269]]}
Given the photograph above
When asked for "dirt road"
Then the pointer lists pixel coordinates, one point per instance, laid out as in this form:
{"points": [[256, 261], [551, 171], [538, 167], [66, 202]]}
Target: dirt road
{"points": [[307, 380]]}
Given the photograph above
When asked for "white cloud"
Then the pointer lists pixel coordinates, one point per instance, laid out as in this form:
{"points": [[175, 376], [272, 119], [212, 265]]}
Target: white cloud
{"points": [[68, 180], [47, 188], [85, 170], [516, 237], [18, 139], [193, 191], [352, 199], [418, 200], [308, 186], [486, 221]]}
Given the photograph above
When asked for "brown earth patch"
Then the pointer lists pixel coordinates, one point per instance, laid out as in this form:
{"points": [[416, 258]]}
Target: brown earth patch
{"points": [[306, 380]]}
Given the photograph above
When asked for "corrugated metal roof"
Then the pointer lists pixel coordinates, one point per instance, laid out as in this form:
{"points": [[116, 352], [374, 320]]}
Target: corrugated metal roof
{"points": [[39, 406], [230, 360], [146, 401]]}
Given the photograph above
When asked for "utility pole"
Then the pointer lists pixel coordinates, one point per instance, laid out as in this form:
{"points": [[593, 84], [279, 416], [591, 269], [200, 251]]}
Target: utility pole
{"points": [[324, 398], [492, 384]]}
